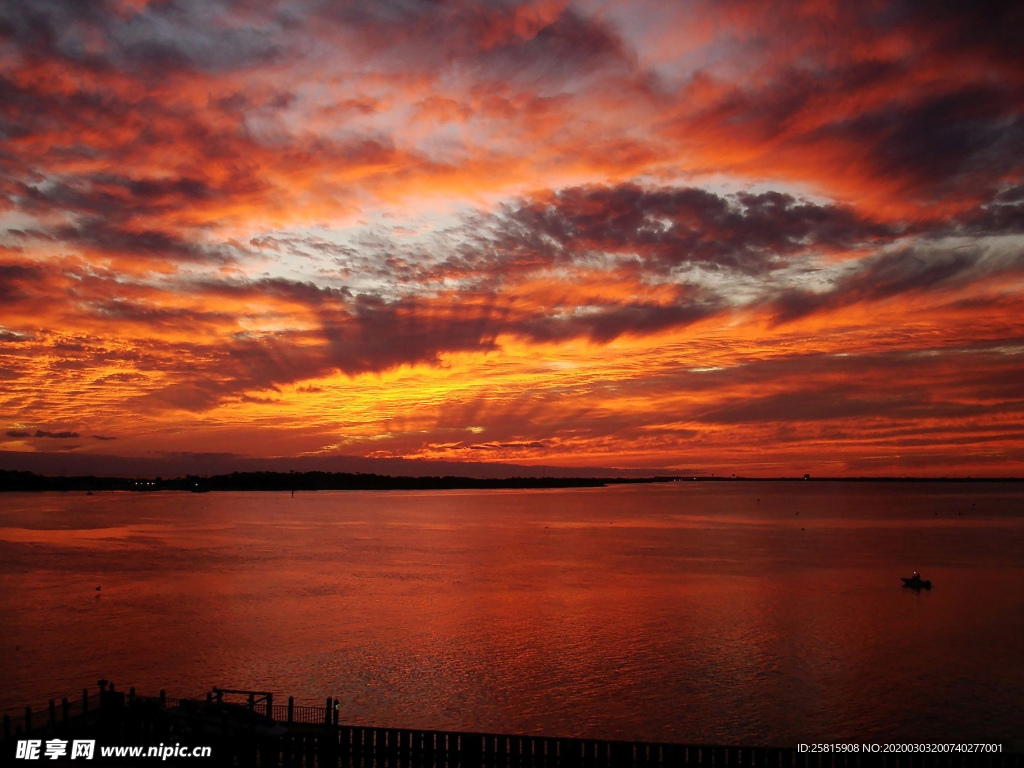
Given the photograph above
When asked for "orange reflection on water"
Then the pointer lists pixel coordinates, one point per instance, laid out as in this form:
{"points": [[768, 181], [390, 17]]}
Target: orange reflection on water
{"points": [[733, 613]]}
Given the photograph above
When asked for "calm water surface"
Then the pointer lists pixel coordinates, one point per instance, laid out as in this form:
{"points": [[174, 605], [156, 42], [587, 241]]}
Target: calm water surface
{"points": [[756, 613]]}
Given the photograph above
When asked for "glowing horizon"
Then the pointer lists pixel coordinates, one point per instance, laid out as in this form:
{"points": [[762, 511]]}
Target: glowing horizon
{"points": [[739, 237]]}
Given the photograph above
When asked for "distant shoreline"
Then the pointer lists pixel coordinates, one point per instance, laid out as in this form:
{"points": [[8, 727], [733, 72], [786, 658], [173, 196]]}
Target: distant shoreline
{"points": [[20, 481], [297, 481]]}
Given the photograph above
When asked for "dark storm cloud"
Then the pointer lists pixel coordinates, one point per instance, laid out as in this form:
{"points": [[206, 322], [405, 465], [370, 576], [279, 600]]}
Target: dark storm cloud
{"points": [[362, 332], [162, 194], [99, 235], [849, 403], [354, 335], [211, 162], [115, 214], [152, 38], [120, 310], [606, 323], [184, 396], [119, 378], [57, 435], [16, 280], [44, 433], [837, 402], [904, 272], [666, 228], [572, 45], [374, 334], [1002, 214], [936, 389], [989, 27], [506, 42], [938, 142], [911, 99], [368, 333], [306, 293], [103, 437]]}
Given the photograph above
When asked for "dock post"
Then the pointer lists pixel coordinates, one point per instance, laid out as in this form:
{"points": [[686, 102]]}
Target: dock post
{"points": [[85, 700], [163, 698], [270, 706], [28, 719], [53, 713], [252, 702], [291, 709], [327, 712], [65, 709], [209, 697], [337, 711], [131, 693]]}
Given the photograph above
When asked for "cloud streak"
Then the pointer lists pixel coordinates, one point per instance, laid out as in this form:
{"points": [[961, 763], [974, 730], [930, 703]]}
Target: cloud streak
{"points": [[44, 433]]}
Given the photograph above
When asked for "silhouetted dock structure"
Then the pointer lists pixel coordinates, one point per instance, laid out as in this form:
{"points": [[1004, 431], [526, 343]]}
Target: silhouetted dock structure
{"points": [[247, 728]]}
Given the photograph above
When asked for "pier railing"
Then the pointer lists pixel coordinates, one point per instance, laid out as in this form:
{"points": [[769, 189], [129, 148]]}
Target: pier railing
{"points": [[272, 734], [47, 718]]}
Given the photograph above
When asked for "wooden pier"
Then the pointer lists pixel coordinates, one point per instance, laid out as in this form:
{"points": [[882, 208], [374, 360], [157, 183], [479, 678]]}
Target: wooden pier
{"points": [[247, 728]]}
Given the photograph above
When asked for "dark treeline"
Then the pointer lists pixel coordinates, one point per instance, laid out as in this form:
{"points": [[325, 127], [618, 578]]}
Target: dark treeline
{"points": [[295, 481], [347, 481], [29, 481]]}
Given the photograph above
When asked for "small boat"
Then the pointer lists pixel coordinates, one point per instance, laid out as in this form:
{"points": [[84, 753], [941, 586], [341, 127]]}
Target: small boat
{"points": [[916, 582]]}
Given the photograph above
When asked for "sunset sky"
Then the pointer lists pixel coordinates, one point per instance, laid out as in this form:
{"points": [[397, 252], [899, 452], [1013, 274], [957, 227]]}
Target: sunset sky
{"points": [[718, 236]]}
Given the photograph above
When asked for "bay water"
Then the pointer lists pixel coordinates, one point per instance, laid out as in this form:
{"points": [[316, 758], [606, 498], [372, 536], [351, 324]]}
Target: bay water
{"points": [[753, 613]]}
